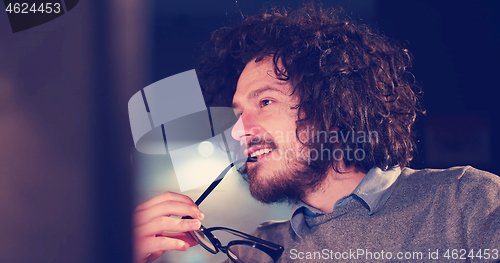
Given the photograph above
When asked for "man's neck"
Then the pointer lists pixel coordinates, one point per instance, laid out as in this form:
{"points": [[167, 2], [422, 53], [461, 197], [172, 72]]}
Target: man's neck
{"points": [[335, 186]]}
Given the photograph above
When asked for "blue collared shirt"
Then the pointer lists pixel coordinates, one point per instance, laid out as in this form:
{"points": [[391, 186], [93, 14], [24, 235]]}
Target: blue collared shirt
{"points": [[373, 191]]}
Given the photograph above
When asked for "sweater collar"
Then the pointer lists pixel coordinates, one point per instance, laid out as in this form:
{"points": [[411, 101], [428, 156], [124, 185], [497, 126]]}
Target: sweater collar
{"points": [[373, 191]]}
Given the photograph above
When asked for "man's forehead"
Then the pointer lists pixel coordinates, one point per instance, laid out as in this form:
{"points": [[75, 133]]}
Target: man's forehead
{"points": [[259, 77], [259, 69]]}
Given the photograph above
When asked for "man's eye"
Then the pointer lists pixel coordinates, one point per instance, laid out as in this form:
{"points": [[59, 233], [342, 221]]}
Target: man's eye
{"points": [[264, 103], [237, 113]]}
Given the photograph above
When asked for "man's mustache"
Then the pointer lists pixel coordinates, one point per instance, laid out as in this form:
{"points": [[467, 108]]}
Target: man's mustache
{"points": [[261, 142]]}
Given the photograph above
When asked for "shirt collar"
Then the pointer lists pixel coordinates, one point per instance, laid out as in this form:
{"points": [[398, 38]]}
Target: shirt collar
{"points": [[376, 187], [373, 190]]}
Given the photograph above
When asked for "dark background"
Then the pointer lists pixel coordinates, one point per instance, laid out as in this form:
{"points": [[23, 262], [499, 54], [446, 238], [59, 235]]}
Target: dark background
{"points": [[455, 46], [65, 145]]}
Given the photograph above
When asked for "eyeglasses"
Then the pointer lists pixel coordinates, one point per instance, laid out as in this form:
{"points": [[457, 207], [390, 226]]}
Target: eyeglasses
{"points": [[249, 250]]}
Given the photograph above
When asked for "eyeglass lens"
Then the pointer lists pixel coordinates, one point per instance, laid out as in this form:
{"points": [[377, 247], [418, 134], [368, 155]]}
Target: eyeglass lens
{"points": [[242, 253], [204, 241]]}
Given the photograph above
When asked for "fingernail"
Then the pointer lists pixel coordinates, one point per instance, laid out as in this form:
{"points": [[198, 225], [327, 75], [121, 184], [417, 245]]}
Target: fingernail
{"points": [[201, 215], [195, 223], [183, 245]]}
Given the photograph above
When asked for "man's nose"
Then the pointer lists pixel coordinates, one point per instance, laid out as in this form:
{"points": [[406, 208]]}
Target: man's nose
{"points": [[244, 127]]}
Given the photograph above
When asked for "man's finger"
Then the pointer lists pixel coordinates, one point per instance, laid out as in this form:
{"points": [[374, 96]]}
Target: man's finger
{"points": [[168, 224], [154, 256], [164, 197], [167, 208], [154, 245], [182, 236]]}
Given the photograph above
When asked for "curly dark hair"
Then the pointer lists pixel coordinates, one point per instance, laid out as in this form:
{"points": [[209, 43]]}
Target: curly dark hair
{"points": [[348, 77]]}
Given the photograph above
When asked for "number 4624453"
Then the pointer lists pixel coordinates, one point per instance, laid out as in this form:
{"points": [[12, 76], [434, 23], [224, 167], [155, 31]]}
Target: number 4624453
{"points": [[25, 8]]}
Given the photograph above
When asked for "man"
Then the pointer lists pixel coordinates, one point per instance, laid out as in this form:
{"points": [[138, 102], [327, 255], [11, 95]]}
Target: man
{"points": [[345, 94]]}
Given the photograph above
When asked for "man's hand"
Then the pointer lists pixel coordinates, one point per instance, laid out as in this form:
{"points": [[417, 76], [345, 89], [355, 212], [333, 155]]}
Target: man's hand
{"points": [[152, 218]]}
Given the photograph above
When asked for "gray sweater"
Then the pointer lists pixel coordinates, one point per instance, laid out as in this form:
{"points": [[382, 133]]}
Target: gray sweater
{"points": [[432, 215]]}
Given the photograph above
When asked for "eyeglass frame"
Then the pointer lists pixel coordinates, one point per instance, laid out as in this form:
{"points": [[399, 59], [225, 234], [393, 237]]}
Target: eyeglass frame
{"points": [[273, 250]]}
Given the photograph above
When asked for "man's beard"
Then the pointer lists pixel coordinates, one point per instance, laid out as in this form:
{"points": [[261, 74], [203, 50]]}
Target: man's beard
{"points": [[292, 182]]}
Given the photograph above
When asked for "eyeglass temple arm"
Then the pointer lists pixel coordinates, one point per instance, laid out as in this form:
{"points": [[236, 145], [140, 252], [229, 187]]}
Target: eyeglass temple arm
{"points": [[220, 177], [268, 244]]}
